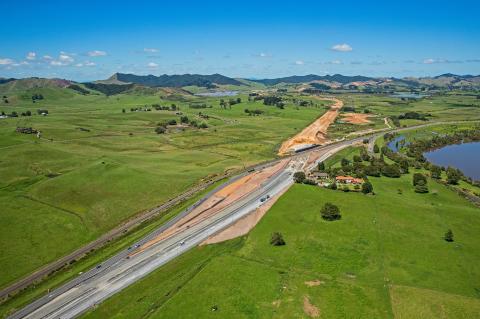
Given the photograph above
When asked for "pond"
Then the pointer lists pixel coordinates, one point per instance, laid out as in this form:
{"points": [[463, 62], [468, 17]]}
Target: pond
{"points": [[218, 93], [407, 95], [397, 143], [464, 156]]}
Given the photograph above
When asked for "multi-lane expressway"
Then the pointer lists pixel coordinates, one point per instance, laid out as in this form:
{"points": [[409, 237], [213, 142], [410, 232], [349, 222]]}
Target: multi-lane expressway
{"points": [[92, 287]]}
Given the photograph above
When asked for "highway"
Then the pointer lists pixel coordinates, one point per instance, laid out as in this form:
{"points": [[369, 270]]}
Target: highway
{"points": [[127, 267], [92, 287]]}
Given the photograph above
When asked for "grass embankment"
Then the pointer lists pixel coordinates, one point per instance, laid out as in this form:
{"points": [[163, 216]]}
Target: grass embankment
{"points": [[89, 261], [96, 166], [385, 258]]}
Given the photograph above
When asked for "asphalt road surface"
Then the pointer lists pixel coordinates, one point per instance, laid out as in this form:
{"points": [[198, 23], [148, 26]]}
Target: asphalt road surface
{"points": [[92, 287]]}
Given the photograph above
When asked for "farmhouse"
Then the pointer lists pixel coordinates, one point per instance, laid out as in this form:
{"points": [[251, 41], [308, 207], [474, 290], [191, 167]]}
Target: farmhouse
{"points": [[348, 180], [318, 175]]}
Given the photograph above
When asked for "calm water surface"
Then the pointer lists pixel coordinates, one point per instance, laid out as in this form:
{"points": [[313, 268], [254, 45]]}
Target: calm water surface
{"points": [[465, 157], [408, 95], [218, 93]]}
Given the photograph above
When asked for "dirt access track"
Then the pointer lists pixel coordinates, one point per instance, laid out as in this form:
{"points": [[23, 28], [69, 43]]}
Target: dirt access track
{"points": [[315, 133]]}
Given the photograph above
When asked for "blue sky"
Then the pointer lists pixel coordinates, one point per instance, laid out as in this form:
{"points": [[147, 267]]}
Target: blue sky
{"points": [[91, 40]]}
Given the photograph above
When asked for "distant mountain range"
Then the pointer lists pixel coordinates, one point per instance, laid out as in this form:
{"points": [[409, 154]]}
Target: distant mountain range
{"points": [[334, 81], [120, 82], [12, 84], [165, 80], [338, 78]]}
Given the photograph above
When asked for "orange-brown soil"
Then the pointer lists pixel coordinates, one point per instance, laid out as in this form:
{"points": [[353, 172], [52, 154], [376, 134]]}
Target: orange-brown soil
{"points": [[315, 133]]}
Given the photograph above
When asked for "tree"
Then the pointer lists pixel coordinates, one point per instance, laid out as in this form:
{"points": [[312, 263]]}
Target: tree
{"points": [[357, 158], [123, 110], [321, 166], [333, 186], [367, 187], [160, 130], [330, 212], [417, 178], [404, 165], [421, 187], [453, 176], [448, 236], [184, 119], [299, 177], [172, 122], [277, 239], [364, 155], [345, 162], [436, 171], [391, 170], [376, 149], [372, 170]]}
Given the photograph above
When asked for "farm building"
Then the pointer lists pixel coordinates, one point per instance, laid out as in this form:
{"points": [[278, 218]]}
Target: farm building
{"points": [[318, 175]]}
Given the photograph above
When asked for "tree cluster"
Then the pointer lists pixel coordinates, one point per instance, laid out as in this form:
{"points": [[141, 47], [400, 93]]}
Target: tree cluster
{"points": [[274, 100], [37, 97], [159, 107], [277, 239], [254, 112], [330, 212]]}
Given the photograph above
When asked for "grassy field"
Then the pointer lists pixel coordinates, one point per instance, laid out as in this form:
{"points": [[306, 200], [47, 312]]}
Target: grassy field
{"points": [[385, 258], [95, 166], [93, 258], [443, 107]]}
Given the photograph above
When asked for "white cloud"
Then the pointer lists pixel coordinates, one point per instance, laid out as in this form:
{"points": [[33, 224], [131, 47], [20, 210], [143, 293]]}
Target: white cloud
{"points": [[152, 65], [31, 56], [65, 58], [299, 62], [97, 53], [335, 62], [342, 47], [433, 61], [6, 61], [86, 63], [57, 63], [150, 50], [263, 55], [20, 64]]}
